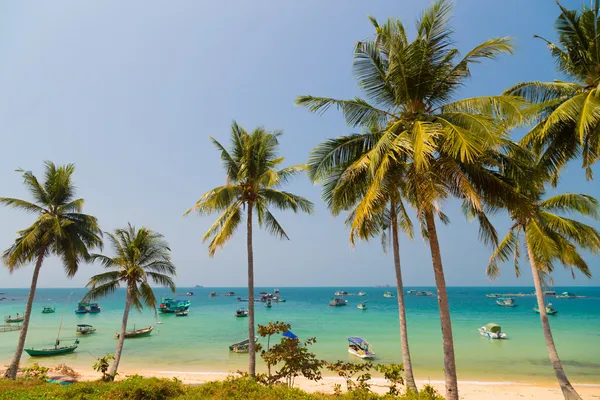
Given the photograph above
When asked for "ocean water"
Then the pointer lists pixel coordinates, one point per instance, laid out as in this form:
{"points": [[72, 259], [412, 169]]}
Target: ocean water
{"points": [[200, 341]]}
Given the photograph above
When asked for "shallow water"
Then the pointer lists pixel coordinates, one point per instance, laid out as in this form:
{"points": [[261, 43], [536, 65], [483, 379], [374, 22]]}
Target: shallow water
{"points": [[199, 342]]}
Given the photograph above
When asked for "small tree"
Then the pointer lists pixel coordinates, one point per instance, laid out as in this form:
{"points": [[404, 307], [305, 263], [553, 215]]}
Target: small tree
{"points": [[394, 373], [272, 328], [102, 366], [347, 370]]}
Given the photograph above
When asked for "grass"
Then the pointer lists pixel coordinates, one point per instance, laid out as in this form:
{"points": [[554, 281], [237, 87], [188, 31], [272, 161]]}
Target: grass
{"points": [[139, 388]]}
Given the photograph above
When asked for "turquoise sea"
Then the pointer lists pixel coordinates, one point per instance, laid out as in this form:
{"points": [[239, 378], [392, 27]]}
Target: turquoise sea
{"points": [[200, 341]]}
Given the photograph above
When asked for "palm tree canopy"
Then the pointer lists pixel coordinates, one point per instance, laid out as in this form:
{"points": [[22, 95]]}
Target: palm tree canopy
{"points": [[141, 255], [254, 177], [60, 228], [444, 147], [568, 113]]}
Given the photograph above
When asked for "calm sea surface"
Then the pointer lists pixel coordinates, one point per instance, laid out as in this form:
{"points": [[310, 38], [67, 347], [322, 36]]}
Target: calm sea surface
{"points": [[200, 341]]}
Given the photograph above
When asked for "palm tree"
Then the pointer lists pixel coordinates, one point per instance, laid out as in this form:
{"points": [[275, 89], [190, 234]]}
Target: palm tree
{"points": [[549, 238], [252, 185], [568, 112], [451, 147], [343, 193], [141, 255], [60, 229]]}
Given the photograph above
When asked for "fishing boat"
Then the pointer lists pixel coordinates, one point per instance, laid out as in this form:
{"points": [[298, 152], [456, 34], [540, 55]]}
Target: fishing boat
{"points": [[337, 302], [412, 291], [492, 295], [492, 331], [424, 293], [241, 347], [171, 306], [277, 299], [361, 293], [362, 306], [82, 308], [566, 295], [10, 327], [212, 294], [14, 320], [53, 351], [268, 303], [549, 309], [189, 293], [276, 291], [182, 313], [48, 310], [242, 300], [341, 293], [506, 302], [549, 293], [229, 294], [85, 329], [136, 333], [241, 312], [94, 308], [360, 347], [388, 295]]}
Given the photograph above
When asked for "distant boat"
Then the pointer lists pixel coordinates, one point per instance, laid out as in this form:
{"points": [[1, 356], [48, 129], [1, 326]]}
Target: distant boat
{"points": [[341, 293], [492, 295], [241, 347], [362, 306], [197, 286], [412, 291], [277, 299], [388, 295], [549, 293], [182, 313], [566, 295], [549, 309], [82, 308], [229, 294], [268, 304], [241, 313], [506, 302], [84, 329], [54, 351], [424, 293], [492, 331], [137, 333], [11, 320], [276, 291], [48, 310], [212, 294], [337, 302], [94, 308], [189, 293], [361, 293], [360, 347]]}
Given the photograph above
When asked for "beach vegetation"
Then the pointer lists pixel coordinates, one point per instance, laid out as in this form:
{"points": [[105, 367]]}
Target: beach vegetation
{"points": [[448, 147], [349, 370], [102, 365], [394, 373], [141, 256], [272, 328], [64, 369], [254, 179], [36, 371], [60, 229]]}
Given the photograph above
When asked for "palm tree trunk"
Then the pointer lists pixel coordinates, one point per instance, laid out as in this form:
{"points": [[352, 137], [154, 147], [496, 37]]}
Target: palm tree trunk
{"points": [[251, 349], [408, 371], [115, 366], [440, 283], [11, 372], [568, 391]]}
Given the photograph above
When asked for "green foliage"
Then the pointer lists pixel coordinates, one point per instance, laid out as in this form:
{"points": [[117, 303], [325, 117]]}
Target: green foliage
{"points": [[36, 371], [102, 366], [347, 370], [393, 373], [66, 370]]}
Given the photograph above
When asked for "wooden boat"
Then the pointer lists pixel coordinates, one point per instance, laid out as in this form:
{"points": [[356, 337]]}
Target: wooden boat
{"points": [[389, 295], [137, 333], [54, 351], [182, 313], [82, 308], [362, 306], [492, 331], [48, 310], [94, 308], [171, 306], [10, 327], [337, 302], [361, 348], [241, 313], [241, 347], [549, 310], [508, 302], [84, 329], [12, 320]]}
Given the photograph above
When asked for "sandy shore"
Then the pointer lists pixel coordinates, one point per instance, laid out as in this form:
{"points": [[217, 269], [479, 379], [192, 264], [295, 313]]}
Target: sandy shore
{"points": [[468, 390]]}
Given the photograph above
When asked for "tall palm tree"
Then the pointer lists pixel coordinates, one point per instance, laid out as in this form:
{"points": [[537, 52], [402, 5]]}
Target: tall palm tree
{"points": [[451, 146], [568, 112], [342, 193], [549, 238], [60, 229], [141, 255], [252, 185]]}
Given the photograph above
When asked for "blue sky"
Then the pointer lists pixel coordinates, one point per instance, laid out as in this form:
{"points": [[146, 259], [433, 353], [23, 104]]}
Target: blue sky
{"points": [[130, 92]]}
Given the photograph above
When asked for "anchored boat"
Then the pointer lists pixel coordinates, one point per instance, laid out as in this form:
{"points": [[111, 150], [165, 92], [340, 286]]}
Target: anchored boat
{"points": [[48, 310], [549, 309], [492, 331], [506, 302], [241, 312], [388, 295], [360, 347], [337, 302], [82, 308], [54, 351], [171, 306], [137, 333], [362, 306], [94, 308], [361, 293], [12, 320], [85, 329], [241, 347], [182, 313]]}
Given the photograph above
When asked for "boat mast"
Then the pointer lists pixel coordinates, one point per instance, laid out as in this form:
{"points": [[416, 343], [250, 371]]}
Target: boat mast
{"points": [[62, 318]]}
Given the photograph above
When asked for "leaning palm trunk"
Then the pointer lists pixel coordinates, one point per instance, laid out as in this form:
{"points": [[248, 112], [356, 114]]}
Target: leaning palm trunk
{"points": [[566, 387], [115, 366], [408, 371], [252, 355], [440, 283], [11, 372]]}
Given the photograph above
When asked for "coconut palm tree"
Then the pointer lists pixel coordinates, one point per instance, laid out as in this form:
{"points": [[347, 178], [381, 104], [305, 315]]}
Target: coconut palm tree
{"points": [[568, 112], [549, 238], [253, 184], [451, 146], [141, 255], [60, 229]]}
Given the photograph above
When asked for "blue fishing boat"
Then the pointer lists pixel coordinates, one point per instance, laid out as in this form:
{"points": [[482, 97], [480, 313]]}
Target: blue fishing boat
{"points": [[94, 308], [82, 308], [171, 306]]}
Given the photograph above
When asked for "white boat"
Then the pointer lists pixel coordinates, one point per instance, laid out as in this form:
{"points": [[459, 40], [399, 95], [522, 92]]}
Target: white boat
{"points": [[412, 291], [361, 293], [506, 302], [341, 293], [337, 302], [566, 295], [388, 295], [360, 348], [492, 331], [362, 306]]}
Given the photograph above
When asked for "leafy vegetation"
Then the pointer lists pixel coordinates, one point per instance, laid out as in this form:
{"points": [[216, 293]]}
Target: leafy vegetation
{"points": [[102, 366]]}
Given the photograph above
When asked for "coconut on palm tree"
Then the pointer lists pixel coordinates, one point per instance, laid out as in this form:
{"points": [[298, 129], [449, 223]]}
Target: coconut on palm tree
{"points": [[60, 230], [451, 147], [253, 183], [568, 112], [549, 238], [141, 256]]}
